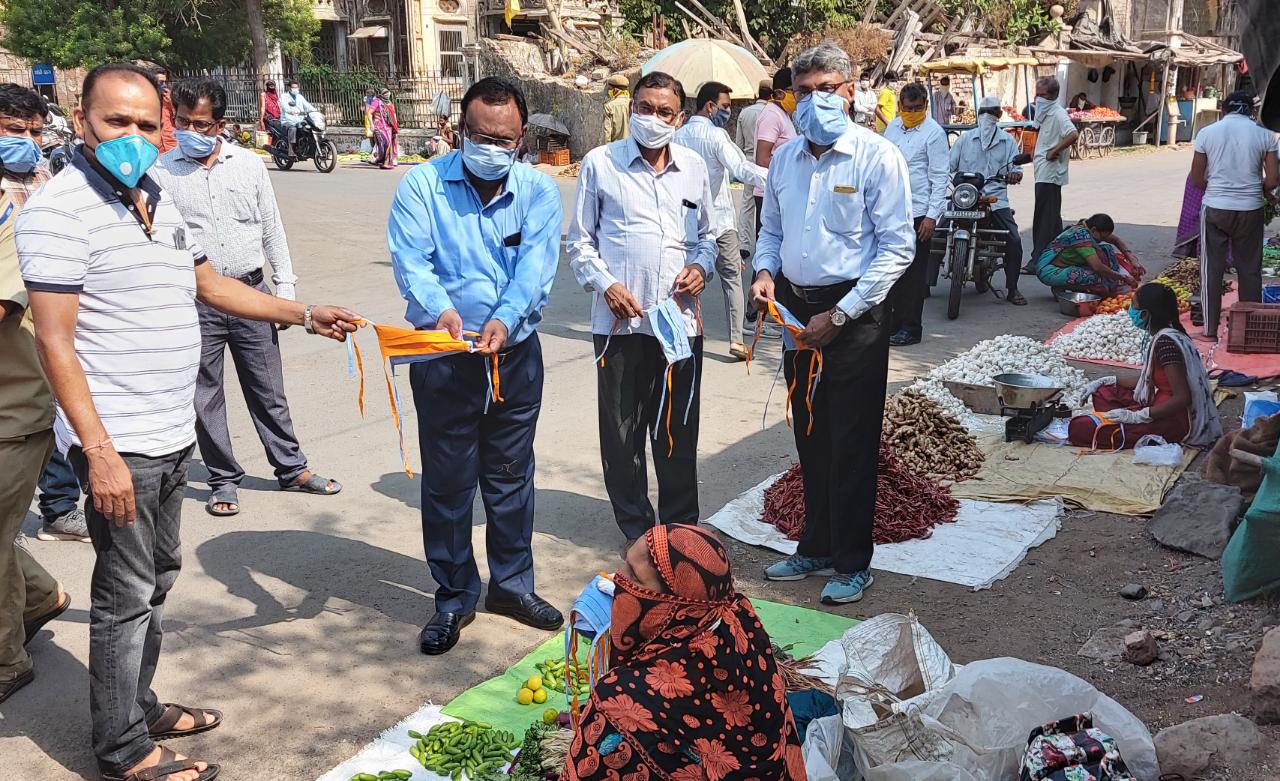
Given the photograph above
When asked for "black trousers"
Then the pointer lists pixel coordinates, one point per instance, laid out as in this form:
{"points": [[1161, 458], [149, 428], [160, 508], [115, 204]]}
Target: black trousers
{"points": [[840, 457], [630, 389], [463, 446], [1002, 219], [1047, 222], [905, 303]]}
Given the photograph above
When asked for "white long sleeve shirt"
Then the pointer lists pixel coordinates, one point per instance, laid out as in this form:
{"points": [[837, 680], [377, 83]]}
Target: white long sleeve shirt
{"points": [[640, 227], [840, 217], [723, 159], [925, 148]]}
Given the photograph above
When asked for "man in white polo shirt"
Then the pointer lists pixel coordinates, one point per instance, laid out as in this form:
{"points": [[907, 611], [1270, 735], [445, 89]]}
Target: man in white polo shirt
{"points": [[113, 276], [1235, 164]]}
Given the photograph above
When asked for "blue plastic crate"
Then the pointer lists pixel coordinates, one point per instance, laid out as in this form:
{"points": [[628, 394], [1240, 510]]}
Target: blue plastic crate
{"points": [[1271, 294]]}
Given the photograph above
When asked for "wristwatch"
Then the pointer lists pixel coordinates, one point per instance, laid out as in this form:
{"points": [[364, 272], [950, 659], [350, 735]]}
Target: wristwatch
{"points": [[306, 320], [838, 317]]}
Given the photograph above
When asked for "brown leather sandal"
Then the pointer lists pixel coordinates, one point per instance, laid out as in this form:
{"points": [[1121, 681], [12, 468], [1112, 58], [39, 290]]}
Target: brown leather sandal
{"points": [[169, 764], [206, 719]]}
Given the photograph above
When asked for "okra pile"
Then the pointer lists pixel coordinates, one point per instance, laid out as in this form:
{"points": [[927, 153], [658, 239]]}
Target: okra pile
{"points": [[461, 749]]}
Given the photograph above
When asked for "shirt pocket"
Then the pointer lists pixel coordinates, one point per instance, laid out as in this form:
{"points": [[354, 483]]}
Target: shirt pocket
{"points": [[689, 210], [842, 211], [243, 206]]}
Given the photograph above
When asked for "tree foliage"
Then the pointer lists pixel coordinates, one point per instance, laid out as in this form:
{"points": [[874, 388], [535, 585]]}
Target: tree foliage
{"points": [[178, 33]]}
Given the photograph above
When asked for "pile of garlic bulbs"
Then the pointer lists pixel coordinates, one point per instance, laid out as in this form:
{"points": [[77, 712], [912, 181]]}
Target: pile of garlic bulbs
{"points": [[1104, 338], [1010, 354]]}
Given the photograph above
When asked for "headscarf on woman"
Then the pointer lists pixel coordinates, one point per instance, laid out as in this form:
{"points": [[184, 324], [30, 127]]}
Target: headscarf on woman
{"points": [[693, 692]]}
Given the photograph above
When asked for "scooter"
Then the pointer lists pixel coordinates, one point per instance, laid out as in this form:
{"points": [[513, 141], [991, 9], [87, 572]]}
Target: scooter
{"points": [[969, 251], [57, 140]]}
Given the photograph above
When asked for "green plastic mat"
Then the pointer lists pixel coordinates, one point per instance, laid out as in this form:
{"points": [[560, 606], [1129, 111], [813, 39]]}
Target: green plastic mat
{"points": [[494, 701]]}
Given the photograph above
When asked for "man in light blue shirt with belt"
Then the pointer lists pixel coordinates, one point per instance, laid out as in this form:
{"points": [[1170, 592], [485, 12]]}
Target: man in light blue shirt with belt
{"points": [[836, 234], [475, 239]]}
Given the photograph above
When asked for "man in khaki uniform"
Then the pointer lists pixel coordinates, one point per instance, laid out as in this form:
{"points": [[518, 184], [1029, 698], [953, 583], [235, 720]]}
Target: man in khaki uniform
{"points": [[29, 596], [617, 112]]}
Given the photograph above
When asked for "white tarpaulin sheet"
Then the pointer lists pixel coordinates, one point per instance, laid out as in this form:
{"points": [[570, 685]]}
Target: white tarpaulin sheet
{"points": [[390, 751], [985, 543]]}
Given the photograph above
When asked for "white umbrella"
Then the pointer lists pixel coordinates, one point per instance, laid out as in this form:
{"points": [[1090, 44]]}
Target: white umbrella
{"points": [[698, 60]]}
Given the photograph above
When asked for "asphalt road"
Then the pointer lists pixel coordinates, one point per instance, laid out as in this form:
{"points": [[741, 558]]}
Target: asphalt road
{"points": [[299, 617]]}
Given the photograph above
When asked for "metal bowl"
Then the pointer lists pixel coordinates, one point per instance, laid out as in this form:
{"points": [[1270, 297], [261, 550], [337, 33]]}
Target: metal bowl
{"points": [[1024, 391], [1078, 304]]}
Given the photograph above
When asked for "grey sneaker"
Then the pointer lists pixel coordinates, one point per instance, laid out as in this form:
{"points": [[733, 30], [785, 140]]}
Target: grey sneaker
{"points": [[797, 567], [71, 526]]}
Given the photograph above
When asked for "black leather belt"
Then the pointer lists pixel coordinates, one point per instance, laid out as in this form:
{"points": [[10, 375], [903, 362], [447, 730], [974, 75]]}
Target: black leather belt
{"points": [[821, 294], [252, 280]]}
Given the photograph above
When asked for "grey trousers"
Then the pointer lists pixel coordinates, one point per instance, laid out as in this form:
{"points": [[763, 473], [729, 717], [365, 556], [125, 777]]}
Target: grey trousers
{"points": [[1229, 234], [729, 269], [136, 566], [255, 349], [747, 221]]}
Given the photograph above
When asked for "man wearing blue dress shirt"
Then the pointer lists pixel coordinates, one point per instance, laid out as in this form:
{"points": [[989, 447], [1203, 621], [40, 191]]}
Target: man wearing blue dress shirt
{"points": [[836, 234], [641, 241], [474, 239]]}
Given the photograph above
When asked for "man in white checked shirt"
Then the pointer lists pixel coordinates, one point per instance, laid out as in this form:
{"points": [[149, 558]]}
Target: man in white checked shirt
{"points": [[226, 199], [836, 234], [641, 237], [704, 133]]}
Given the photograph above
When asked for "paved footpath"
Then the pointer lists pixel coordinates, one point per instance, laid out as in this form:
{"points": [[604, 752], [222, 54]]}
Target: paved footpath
{"points": [[299, 617]]}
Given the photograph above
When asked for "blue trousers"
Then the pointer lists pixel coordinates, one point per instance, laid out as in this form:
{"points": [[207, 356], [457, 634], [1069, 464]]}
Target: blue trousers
{"points": [[463, 446], [59, 491]]}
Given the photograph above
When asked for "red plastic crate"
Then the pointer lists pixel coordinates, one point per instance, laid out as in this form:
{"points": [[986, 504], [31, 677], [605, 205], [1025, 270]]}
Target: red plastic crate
{"points": [[1253, 328]]}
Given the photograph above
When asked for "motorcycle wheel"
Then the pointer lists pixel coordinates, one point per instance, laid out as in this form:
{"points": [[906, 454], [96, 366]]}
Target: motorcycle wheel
{"points": [[959, 265], [326, 156], [282, 162]]}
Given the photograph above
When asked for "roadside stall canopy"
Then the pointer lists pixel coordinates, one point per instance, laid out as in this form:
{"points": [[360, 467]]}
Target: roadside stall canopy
{"points": [[1197, 52], [975, 65]]}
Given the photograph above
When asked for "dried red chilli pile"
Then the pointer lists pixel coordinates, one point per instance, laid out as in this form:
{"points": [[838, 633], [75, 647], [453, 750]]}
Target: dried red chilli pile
{"points": [[908, 506]]}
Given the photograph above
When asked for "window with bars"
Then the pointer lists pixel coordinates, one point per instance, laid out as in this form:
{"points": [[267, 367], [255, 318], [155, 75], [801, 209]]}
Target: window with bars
{"points": [[449, 48]]}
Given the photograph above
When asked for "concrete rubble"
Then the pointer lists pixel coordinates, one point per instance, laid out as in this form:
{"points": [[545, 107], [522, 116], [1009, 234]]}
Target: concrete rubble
{"points": [[1140, 648], [1264, 684], [1197, 517]]}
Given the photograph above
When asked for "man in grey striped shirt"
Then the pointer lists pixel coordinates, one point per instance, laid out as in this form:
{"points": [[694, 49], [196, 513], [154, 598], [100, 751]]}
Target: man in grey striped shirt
{"points": [[225, 196], [113, 277]]}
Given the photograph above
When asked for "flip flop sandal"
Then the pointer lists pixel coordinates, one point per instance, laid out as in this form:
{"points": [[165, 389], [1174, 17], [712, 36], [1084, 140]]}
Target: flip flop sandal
{"points": [[1017, 299], [205, 718], [169, 764], [317, 485], [225, 495], [38, 624], [1231, 379]]}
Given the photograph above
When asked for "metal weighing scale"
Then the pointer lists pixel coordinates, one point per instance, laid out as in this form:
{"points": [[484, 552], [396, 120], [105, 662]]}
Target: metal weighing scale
{"points": [[1030, 402]]}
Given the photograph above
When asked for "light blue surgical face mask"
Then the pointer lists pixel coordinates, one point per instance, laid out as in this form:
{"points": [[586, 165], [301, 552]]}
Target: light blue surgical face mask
{"points": [[1138, 319], [721, 117], [486, 161], [19, 154], [822, 117], [127, 157], [294, 92], [196, 146], [669, 328]]}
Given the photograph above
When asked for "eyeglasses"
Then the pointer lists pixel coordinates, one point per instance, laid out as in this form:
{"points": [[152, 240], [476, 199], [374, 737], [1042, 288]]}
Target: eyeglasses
{"points": [[830, 86], [481, 138], [200, 126], [665, 113]]}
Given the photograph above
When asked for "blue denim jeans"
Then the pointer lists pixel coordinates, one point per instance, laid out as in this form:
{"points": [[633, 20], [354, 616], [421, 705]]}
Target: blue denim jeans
{"points": [[135, 568], [59, 489]]}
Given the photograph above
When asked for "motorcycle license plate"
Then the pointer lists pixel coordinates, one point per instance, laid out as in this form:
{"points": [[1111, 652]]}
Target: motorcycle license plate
{"points": [[964, 215]]}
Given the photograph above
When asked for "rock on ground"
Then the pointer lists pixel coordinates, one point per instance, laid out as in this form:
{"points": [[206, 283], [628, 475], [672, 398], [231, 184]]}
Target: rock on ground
{"points": [[1197, 517], [1194, 747], [1264, 685], [1107, 643], [1140, 648]]}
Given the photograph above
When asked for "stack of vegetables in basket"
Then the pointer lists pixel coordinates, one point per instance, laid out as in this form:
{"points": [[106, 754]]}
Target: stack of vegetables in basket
{"points": [[921, 449]]}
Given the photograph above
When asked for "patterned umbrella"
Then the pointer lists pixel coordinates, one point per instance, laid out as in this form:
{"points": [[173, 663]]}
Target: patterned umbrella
{"points": [[698, 60]]}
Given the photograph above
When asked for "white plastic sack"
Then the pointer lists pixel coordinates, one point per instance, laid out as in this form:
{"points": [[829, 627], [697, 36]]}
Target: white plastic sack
{"points": [[366, 146], [827, 755], [989, 709], [1153, 450], [891, 660]]}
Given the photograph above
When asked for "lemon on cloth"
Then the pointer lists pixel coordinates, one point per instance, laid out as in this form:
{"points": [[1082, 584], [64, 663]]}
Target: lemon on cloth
{"points": [[534, 683], [540, 696], [550, 715], [524, 696]]}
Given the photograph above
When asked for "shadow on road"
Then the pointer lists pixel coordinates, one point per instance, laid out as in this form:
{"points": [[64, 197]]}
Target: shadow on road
{"points": [[59, 725]]}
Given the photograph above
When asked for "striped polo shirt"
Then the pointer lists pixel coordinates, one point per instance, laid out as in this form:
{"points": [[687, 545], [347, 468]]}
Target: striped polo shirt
{"points": [[137, 333]]}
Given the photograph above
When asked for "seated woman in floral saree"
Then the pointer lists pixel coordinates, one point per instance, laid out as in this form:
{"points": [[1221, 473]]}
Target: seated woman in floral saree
{"points": [[1089, 258], [693, 692]]}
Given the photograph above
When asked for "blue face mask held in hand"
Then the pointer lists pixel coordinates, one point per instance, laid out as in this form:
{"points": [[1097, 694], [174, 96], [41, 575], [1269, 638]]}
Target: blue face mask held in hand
{"points": [[667, 322]]}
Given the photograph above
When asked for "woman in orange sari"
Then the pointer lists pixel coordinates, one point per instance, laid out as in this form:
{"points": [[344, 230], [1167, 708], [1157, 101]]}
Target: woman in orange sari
{"points": [[693, 692]]}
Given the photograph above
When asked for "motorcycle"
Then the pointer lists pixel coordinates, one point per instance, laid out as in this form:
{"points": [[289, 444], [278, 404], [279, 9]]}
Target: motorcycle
{"points": [[310, 144], [57, 140], [969, 251]]}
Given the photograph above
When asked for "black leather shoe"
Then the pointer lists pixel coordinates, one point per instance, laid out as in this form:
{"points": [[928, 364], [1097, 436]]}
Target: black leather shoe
{"points": [[442, 632], [529, 609], [903, 338], [9, 687]]}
